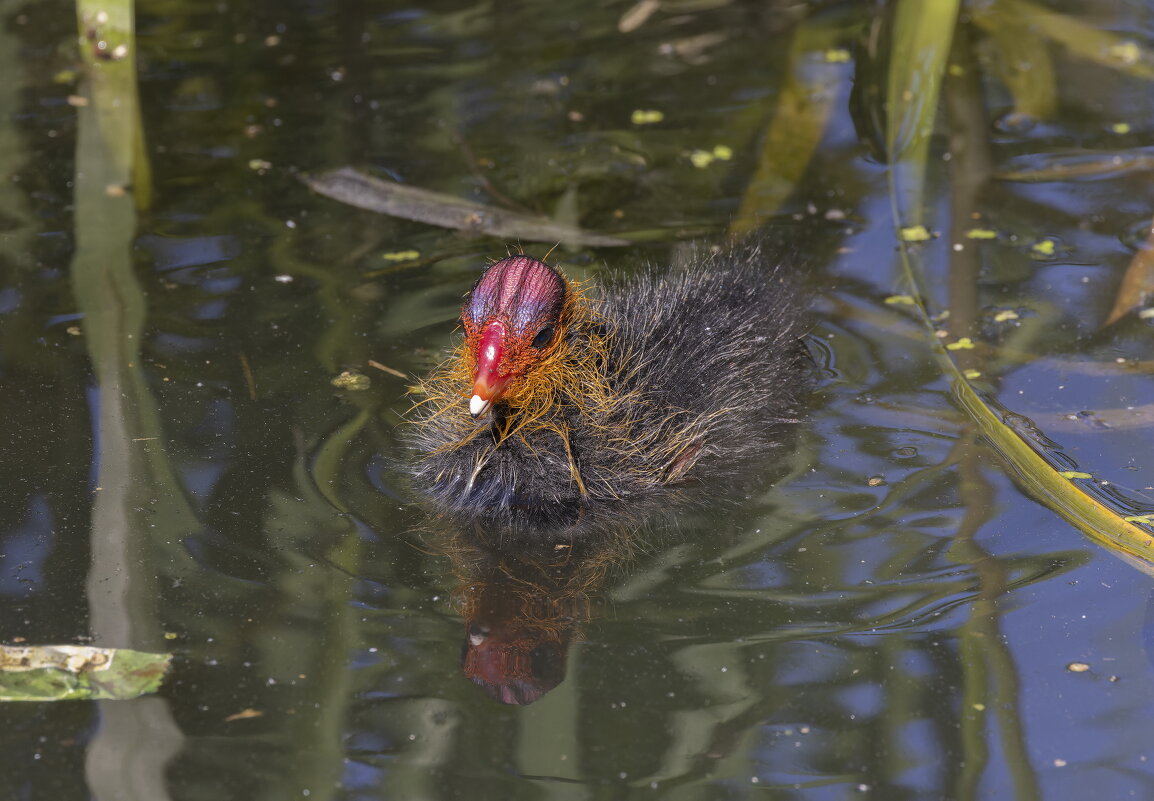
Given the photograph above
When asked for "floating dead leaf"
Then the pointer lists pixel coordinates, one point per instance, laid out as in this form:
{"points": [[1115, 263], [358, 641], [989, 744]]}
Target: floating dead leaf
{"points": [[1137, 285], [435, 208]]}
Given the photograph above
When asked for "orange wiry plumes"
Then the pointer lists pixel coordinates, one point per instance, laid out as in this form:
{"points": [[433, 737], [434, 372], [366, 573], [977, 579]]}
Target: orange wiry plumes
{"points": [[571, 367]]}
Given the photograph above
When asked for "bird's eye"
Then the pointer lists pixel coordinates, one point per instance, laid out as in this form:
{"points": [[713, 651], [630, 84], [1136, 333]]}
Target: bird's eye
{"points": [[544, 337]]}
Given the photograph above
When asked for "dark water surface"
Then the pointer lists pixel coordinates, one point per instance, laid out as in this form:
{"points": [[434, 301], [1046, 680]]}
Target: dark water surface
{"points": [[893, 619]]}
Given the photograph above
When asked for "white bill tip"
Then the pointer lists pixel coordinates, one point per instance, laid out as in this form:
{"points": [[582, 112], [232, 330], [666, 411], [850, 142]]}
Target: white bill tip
{"points": [[477, 405]]}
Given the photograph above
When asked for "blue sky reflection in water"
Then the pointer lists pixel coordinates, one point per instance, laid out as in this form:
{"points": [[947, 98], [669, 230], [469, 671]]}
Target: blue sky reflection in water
{"points": [[893, 618]]}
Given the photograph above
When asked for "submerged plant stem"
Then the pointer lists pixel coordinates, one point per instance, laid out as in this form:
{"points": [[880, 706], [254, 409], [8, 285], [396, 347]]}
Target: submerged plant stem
{"points": [[925, 30]]}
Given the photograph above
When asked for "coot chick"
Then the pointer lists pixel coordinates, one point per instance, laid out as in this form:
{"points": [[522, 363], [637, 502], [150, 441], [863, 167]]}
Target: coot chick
{"points": [[569, 407]]}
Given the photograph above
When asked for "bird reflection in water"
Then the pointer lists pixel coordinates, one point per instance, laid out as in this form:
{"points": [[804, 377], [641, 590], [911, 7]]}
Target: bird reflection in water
{"points": [[524, 606], [571, 412]]}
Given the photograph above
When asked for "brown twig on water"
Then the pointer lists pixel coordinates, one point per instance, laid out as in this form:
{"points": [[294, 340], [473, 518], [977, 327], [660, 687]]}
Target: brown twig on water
{"points": [[248, 377], [386, 369]]}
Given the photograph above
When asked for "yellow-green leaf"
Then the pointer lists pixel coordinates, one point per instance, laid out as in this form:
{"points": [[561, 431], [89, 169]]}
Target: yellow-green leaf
{"points": [[66, 672]]}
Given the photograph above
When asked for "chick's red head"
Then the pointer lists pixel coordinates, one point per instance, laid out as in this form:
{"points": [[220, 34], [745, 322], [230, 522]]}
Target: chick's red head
{"points": [[510, 319]]}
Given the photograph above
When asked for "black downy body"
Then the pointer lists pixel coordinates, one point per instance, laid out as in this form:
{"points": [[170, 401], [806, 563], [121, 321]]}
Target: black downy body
{"points": [[707, 376]]}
